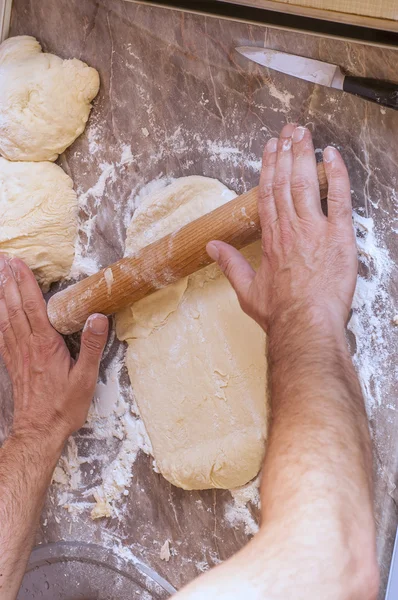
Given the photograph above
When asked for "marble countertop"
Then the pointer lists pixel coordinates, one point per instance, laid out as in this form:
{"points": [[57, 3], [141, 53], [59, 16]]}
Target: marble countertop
{"points": [[177, 100]]}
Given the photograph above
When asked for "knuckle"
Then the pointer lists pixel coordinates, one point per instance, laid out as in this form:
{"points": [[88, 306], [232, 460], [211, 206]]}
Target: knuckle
{"points": [[14, 311], [300, 184], [282, 181], [5, 326], [267, 191], [338, 194], [339, 205], [31, 306], [46, 345], [92, 345]]}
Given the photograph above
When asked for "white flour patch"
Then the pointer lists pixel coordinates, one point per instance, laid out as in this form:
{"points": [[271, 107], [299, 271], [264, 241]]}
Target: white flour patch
{"points": [[85, 261], [371, 321], [284, 98], [238, 512], [111, 416], [229, 153]]}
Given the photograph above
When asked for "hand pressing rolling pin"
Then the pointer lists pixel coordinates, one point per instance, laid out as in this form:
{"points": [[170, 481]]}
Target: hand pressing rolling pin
{"points": [[317, 534]]}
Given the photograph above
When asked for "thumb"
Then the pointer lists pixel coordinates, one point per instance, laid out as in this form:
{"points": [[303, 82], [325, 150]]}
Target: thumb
{"points": [[93, 340], [236, 268]]}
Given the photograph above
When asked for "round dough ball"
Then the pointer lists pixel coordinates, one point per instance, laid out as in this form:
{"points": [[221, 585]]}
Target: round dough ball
{"points": [[195, 360], [38, 217], [44, 100]]}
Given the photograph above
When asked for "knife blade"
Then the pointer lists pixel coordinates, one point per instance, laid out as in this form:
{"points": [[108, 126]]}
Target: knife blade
{"points": [[309, 69], [322, 73]]}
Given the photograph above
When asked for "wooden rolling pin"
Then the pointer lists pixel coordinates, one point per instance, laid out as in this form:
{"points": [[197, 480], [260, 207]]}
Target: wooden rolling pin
{"points": [[160, 264]]}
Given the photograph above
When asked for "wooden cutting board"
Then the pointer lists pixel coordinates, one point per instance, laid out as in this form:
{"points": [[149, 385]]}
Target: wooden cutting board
{"points": [[384, 9], [379, 14]]}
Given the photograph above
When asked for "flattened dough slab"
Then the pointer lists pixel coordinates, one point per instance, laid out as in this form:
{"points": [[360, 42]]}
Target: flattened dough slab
{"points": [[196, 361]]}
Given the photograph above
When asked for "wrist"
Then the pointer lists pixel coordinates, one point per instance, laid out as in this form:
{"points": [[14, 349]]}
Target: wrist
{"points": [[45, 442], [299, 327]]}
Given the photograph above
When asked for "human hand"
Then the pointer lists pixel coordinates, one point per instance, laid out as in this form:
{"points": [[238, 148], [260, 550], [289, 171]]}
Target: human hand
{"points": [[51, 392], [309, 261]]}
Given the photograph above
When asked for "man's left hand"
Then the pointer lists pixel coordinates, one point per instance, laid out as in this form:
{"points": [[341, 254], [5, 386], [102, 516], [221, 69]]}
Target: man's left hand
{"points": [[52, 393]]}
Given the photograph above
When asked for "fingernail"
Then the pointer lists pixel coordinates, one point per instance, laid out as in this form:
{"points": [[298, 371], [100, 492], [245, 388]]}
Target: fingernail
{"points": [[212, 251], [298, 134], [272, 145], [286, 144], [97, 324], [288, 129], [329, 154]]}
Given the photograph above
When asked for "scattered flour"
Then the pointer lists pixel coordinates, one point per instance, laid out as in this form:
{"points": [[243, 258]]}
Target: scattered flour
{"points": [[284, 98], [165, 551], [111, 416], [372, 310], [85, 262], [238, 512]]}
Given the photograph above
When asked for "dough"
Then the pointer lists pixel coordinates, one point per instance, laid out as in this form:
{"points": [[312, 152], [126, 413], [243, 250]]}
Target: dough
{"points": [[38, 217], [44, 100], [195, 360]]}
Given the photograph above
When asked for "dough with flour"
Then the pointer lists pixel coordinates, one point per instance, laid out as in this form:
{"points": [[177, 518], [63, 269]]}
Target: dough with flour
{"points": [[38, 217], [44, 100], [196, 361]]}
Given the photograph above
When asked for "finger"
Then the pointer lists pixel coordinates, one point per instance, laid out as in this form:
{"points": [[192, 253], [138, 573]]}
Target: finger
{"points": [[94, 337], [283, 173], [266, 201], [32, 299], [339, 195], [5, 324], [235, 267], [304, 183], [16, 313]]}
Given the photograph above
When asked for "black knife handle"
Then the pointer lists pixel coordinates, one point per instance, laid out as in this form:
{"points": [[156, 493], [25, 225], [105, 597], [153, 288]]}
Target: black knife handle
{"points": [[375, 90]]}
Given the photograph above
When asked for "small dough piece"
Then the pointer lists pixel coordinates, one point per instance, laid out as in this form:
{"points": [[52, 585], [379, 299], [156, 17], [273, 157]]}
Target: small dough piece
{"points": [[44, 100], [196, 361], [38, 217]]}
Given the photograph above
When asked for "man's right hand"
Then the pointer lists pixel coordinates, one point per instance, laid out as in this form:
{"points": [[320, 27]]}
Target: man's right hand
{"points": [[317, 532], [309, 260]]}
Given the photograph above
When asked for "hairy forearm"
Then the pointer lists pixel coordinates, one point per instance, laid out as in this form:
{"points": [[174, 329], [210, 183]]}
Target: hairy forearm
{"points": [[26, 467], [317, 532], [317, 475]]}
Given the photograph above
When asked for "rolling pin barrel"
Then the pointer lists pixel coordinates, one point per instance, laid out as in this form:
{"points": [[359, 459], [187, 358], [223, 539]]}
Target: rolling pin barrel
{"points": [[164, 262]]}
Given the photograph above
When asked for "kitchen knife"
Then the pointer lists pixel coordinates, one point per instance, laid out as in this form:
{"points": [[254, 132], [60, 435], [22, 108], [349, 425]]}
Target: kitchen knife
{"points": [[384, 93]]}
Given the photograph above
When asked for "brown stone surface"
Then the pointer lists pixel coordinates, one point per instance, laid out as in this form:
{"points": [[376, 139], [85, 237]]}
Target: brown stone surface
{"points": [[207, 111]]}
